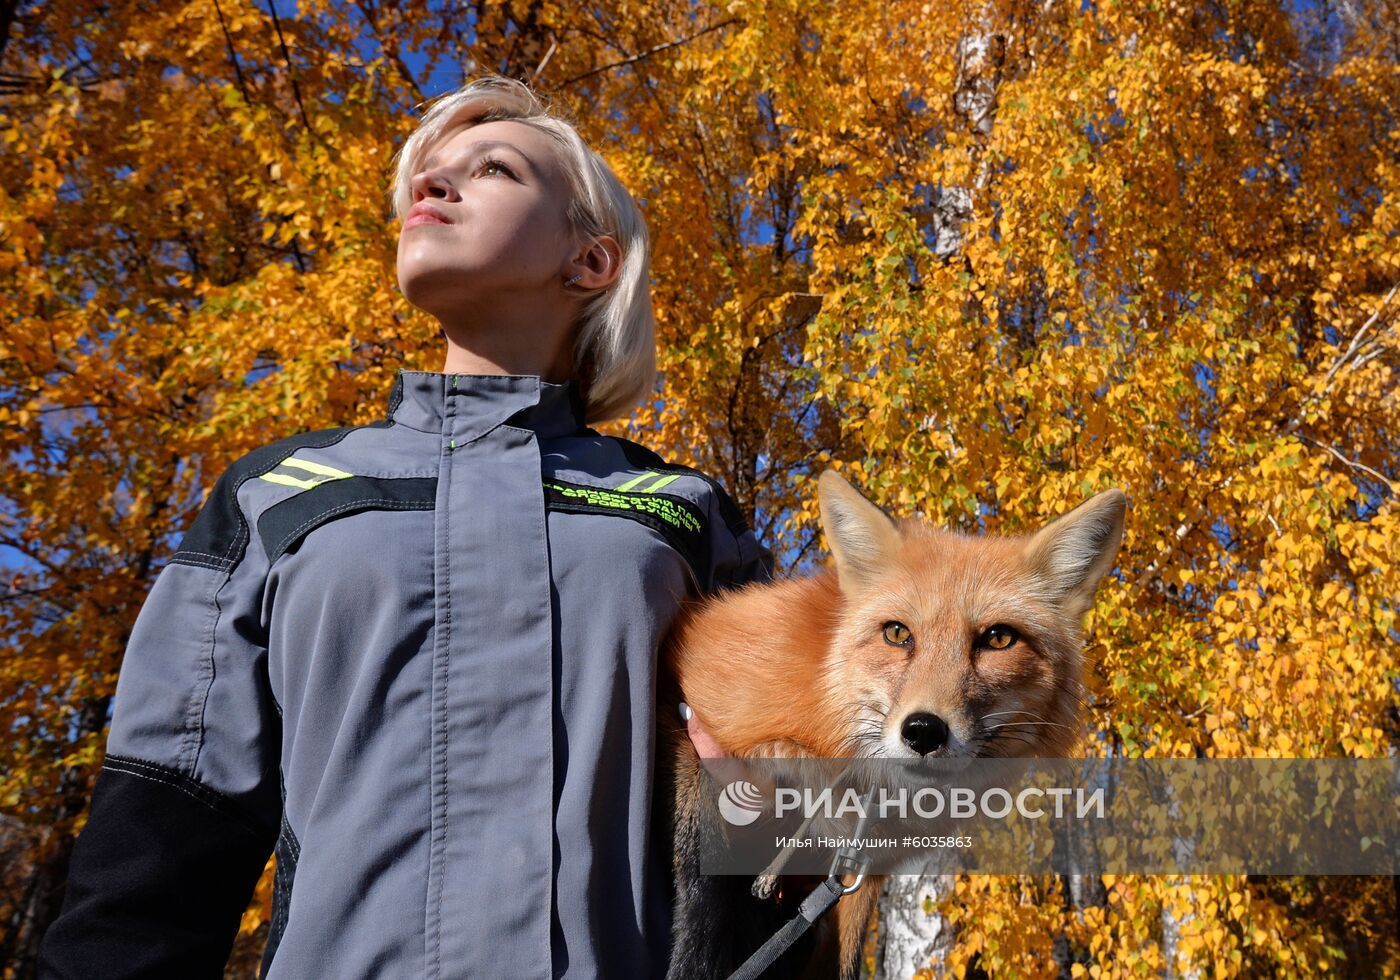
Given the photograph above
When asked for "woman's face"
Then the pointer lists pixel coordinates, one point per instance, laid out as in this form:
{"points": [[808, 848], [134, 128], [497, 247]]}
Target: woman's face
{"points": [[487, 221]]}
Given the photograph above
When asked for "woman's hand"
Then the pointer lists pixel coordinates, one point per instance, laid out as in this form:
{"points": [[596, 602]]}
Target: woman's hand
{"points": [[705, 745]]}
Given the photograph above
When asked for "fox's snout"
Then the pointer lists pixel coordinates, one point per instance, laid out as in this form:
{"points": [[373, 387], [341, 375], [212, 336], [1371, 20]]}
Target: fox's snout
{"points": [[924, 732]]}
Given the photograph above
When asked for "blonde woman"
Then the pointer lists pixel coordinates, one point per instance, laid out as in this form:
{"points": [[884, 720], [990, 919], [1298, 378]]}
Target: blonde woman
{"points": [[418, 657]]}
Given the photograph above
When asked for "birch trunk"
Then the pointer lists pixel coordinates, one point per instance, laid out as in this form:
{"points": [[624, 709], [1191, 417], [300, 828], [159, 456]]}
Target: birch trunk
{"points": [[911, 940]]}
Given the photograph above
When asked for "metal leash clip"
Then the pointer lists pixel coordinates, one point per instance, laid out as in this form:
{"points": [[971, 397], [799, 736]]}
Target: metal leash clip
{"points": [[850, 859], [849, 862]]}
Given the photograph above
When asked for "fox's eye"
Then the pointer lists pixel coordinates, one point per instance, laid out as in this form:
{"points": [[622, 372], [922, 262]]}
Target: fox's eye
{"points": [[898, 635], [998, 637]]}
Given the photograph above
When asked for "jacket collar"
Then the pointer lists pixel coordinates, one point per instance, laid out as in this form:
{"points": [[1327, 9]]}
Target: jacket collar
{"points": [[474, 404]]}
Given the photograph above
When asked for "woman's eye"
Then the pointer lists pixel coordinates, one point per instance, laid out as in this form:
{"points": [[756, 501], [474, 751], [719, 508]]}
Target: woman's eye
{"points": [[898, 635], [998, 637], [489, 163]]}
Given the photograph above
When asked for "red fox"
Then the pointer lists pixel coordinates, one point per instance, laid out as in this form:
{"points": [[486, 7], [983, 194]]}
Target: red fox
{"points": [[917, 642]]}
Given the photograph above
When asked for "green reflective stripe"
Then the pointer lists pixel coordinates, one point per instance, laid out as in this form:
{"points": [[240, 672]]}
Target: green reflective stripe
{"points": [[289, 481], [662, 507], [322, 471], [634, 481], [662, 482], [322, 468]]}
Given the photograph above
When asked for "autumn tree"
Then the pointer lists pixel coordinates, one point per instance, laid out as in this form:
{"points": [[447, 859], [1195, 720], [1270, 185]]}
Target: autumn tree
{"points": [[986, 257]]}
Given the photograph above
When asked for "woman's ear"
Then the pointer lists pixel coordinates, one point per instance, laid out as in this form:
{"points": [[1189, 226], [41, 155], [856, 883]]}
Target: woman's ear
{"points": [[597, 264]]}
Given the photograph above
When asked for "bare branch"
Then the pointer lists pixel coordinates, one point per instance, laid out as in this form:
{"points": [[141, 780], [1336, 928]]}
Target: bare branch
{"points": [[291, 71], [1384, 480], [650, 51], [1356, 341]]}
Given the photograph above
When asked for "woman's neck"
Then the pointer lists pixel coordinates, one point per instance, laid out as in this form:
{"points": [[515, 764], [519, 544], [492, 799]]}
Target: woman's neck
{"points": [[463, 360]]}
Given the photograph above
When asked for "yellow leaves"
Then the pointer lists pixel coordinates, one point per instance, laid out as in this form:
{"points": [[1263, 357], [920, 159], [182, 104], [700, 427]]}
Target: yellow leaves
{"points": [[259, 910], [1124, 308]]}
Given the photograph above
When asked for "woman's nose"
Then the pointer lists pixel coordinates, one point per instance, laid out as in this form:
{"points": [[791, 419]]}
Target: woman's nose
{"points": [[432, 183]]}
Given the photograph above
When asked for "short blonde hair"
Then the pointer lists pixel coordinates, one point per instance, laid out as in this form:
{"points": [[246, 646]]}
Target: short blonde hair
{"points": [[615, 348]]}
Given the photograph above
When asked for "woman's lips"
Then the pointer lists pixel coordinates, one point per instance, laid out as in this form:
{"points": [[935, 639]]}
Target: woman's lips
{"points": [[423, 217]]}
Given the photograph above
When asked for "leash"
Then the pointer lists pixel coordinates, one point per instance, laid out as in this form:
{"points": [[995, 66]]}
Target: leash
{"points": [[822, 899], [813, 907]]}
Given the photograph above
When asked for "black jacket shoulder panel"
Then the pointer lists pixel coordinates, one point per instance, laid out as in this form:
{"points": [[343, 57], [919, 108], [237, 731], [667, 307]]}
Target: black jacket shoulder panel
{"points": [[219, 534], [730, 560], [639, 455]]}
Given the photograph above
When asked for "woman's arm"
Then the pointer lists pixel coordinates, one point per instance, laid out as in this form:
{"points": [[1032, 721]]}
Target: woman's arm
{"points": [[738, 557], [187, 805]]}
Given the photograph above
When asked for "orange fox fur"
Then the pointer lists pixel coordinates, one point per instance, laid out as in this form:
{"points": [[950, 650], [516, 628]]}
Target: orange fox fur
{"points": [[807, 667]]}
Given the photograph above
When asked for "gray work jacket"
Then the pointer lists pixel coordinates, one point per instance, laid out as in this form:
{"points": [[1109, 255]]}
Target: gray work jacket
{"points": [[420, 656]]}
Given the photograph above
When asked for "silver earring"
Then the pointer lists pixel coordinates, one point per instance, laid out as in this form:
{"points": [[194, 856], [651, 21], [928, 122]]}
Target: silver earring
{"points": [[572, 280]]}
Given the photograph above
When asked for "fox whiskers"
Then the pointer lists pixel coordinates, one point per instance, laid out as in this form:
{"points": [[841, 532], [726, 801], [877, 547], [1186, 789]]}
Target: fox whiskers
{"points": [[994, 737], [990, 743], [1036, 720], [867, 736]]}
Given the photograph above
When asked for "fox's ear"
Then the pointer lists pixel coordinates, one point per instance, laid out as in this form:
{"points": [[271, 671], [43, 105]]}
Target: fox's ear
{"points": [[1072, 553], [862, 536]]}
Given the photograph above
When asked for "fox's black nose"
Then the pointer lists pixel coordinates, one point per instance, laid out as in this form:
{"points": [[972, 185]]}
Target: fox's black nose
{"points": [[924, 733]]}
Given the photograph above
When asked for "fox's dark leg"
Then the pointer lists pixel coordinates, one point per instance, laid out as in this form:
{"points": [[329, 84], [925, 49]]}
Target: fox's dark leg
{"points": [[699, 931], [717, 923]]}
